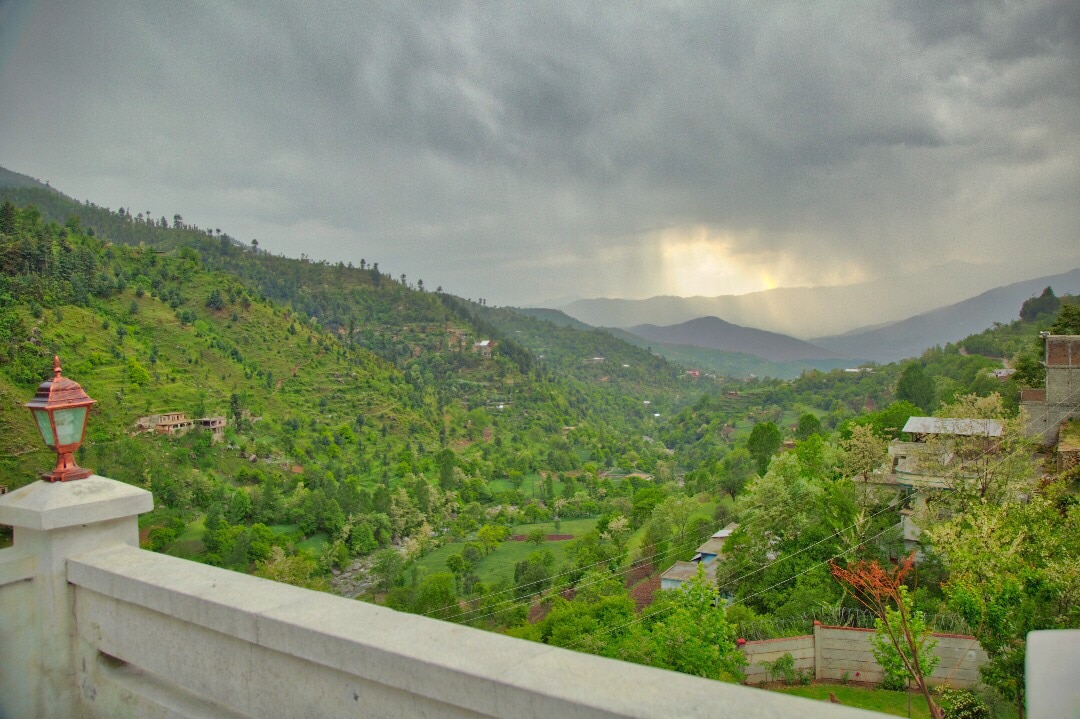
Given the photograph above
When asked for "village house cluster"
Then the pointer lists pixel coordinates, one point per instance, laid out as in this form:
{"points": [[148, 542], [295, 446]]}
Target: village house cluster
{"points": [[177, 423], [1052, 417]]}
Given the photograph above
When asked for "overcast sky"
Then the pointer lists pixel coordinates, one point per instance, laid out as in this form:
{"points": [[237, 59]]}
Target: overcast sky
{"points": [[525, 152]]}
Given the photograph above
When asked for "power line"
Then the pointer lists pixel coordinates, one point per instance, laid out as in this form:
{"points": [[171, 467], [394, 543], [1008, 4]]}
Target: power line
{"points": [[556, 576], [815, 566], [743, 600], [514, 601], [517, 601]]}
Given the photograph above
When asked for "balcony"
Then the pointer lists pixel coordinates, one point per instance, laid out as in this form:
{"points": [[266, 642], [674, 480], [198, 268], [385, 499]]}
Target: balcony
{"points": [[93, 626]]}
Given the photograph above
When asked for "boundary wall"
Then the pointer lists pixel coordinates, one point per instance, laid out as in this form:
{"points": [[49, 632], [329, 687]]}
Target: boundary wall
{"points": [[830, 652]]}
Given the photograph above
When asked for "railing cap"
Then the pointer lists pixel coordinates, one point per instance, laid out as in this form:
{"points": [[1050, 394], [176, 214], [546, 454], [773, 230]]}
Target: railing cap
{"points": [[54, 505]]}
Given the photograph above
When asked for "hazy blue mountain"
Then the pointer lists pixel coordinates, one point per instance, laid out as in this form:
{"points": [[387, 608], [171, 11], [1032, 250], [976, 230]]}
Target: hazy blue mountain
{"points": [[715, 333], [555, 317], [910, 337], [807, 312], [731, 364]]}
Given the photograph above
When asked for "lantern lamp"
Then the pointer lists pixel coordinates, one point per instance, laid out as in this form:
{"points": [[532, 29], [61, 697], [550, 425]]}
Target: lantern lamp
{"points": [[61, 409]]}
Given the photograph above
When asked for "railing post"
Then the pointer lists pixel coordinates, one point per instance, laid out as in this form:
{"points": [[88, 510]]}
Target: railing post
{"points": [[819, 670], [54, 521]]}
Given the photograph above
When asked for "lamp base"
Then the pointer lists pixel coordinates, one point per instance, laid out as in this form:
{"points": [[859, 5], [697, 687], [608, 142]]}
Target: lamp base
{"points": [[66, 475]]}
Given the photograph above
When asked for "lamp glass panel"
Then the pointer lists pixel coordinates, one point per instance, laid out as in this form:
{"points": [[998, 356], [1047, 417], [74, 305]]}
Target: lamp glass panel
{"points": [[69, 424], [44, 426]]}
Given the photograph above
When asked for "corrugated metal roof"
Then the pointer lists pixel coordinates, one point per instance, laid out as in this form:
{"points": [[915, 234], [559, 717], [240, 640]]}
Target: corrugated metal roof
{"points": [[960, 427], [680, 571], [726, 531], [713, 546], [684, 571]]}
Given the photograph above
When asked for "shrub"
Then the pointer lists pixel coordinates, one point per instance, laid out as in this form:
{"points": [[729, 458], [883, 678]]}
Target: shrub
{"points": [[962, 704], [782, 668]]}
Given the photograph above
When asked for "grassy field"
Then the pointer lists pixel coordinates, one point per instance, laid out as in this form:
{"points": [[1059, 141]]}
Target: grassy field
{"points": [[879, 700], [189, 543], [683, 550], [500, 564], [316, 543]]}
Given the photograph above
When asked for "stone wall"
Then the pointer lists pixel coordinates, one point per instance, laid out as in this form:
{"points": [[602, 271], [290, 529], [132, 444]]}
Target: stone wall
{"points": [[769, 650], [843, 652]]}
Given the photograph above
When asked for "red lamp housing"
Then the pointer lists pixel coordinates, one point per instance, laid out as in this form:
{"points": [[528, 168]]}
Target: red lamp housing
{"points": [[61, 409]]}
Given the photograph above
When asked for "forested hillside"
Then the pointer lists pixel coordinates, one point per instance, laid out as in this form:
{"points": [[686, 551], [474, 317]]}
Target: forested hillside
{"points": [[344, 389], [495, 467]]}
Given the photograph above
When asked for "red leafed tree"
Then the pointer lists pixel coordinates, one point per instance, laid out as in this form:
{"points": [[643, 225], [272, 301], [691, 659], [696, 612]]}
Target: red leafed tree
{"points": [[882, 591]]}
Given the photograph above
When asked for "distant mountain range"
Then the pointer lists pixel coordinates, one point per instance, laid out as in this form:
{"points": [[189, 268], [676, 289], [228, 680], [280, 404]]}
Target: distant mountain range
{"points": [[910, 337], [555, 317], [730, 364], [709, 359], [807, 312], [715, 333]]}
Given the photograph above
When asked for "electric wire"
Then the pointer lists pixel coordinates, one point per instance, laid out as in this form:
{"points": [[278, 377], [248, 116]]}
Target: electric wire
{"points": [[515, 602]]}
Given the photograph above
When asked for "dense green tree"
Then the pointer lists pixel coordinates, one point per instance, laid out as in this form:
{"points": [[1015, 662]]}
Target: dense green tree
{"points": [[792, 519], [387, 567], [537, 536], [533, 575], [1014, 567], [690, 634], [1068, 320], [491, 536], [215, 300], [737, 468], [764, 440], [864, 452], [299, 570], [7, 218], [916, 386], [436, 596], [808, 425], [886, 423], [1044, 304], [595, 621], [645, 501], [1030, 371]]}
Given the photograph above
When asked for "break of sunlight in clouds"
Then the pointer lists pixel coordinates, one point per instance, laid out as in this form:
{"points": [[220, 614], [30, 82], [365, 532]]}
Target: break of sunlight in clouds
{"points": [[702, 261], [697, 261]]}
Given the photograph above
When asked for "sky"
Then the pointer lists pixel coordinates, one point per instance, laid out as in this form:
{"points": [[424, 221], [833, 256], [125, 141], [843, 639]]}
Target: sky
{"points": [[537, 152]]}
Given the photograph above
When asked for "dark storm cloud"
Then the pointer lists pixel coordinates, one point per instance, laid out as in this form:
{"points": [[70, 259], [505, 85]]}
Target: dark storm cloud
{"points": [[538, 149]]}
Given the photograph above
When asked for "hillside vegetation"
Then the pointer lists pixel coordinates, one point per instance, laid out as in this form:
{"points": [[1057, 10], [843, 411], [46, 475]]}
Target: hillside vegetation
{"points": [[502, 468]]}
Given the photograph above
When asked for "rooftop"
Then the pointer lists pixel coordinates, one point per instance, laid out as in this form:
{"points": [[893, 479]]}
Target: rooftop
{"points": [[713, 546], [726, 531], [953, 426]]}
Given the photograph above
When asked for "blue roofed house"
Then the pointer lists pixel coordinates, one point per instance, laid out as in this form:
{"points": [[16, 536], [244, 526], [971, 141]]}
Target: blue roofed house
{"points": [[706, 556]]}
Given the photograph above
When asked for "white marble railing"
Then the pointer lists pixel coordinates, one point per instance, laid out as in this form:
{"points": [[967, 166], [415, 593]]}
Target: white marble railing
{"points": [[93, 626]]}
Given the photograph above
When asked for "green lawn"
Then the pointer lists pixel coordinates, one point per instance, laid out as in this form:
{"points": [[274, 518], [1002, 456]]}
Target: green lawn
{"points": [[879, 700], [189, 544], [530, 486], [316, 543], [500, 563]]}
